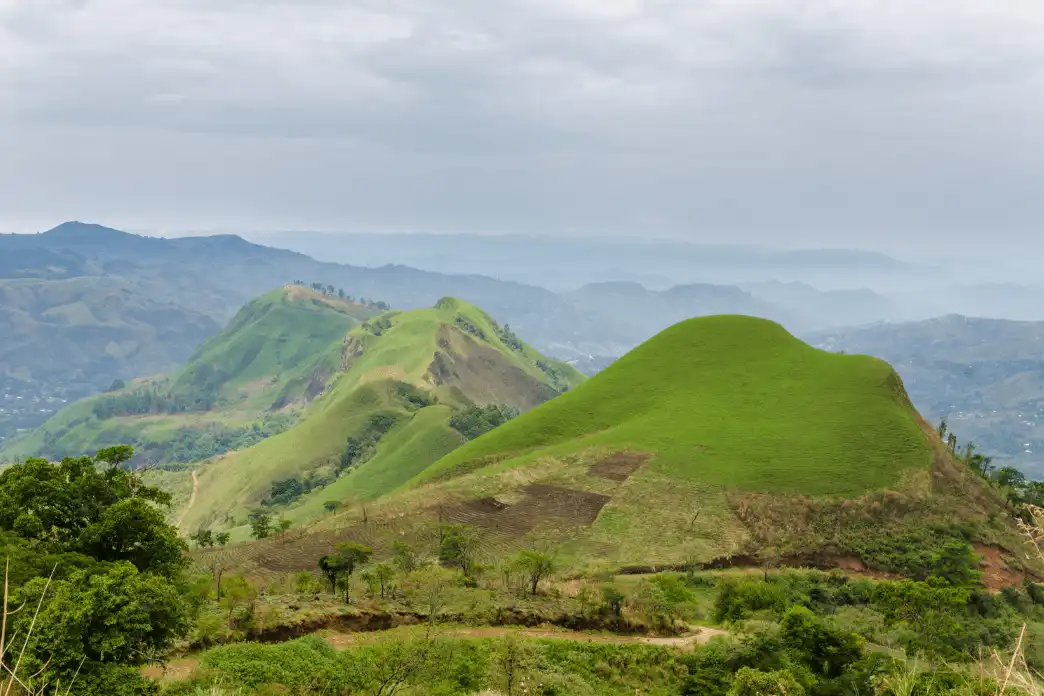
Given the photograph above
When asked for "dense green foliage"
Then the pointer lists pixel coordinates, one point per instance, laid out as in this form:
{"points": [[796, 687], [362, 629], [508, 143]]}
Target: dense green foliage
{"points": [[474, 421], [763, 410], [362, 445], [139, 402], [93, 555]]}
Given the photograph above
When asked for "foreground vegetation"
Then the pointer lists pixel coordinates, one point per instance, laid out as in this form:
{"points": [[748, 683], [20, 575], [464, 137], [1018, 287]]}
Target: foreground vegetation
{"points": [[802, 631], [733, 401], [105, 589]]}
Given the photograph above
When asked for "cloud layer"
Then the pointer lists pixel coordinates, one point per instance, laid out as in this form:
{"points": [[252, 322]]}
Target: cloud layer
{"points": [[861, 122]]}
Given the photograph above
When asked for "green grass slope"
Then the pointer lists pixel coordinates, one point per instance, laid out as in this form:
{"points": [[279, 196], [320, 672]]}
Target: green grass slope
{"points": [[734, 401], [452, 355], [242, 384], [721, 440]]}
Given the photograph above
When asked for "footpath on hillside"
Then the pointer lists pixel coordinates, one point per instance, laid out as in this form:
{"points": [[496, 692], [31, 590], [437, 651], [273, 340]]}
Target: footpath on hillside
{"points": [[184, 668]]}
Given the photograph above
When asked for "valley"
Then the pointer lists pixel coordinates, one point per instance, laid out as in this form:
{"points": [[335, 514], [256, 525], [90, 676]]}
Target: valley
{"points": [[332, 492]]}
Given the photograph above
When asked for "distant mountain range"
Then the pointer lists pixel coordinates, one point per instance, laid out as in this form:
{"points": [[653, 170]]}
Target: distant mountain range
{"points": [[83, 305], [566, 263]]}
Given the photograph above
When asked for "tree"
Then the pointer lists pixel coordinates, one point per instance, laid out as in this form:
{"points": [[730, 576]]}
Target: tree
{"points": [[115, 456], [942, 429], [260, 525], [222, 538], [458, 547], [92, 621], [238, 591], [433, 586], [951, 440], [612, 600], [352, 555], [956, 563], [1009, 477], [930, 609], [133, 530], [332, 567], [536, 565], [58, 502], [100, 567], [824, 649], [982, 464], [385, 575], [284, 525], [203, 538], [331, 505], [405, 557]]}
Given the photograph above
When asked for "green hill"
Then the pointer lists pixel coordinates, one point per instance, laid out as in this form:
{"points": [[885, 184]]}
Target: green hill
{"points": [[245, 383], [733, 401], [403, 376], [721, 440]]}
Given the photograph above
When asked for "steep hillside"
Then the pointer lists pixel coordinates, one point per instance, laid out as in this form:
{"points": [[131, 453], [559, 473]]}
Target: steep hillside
{"points": [[403, 377], [721, 440], [61, 340], [734, 401], [241, 385], [161, 297], [985, 376]]}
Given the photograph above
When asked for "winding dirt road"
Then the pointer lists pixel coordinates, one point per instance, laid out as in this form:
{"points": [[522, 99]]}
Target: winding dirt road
{"points": [[191, 501]]}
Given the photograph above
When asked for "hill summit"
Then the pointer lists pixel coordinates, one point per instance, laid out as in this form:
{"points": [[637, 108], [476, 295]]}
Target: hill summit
{"points": [[722, 440], [240, 385], [734, 401], [387, 413]]}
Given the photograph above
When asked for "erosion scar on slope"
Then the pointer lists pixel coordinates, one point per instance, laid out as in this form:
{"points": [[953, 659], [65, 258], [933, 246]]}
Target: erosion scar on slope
{"points": [[191, 500]]}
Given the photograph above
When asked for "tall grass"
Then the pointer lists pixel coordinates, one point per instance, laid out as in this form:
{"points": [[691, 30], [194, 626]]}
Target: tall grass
{"points": [[13, 680]]}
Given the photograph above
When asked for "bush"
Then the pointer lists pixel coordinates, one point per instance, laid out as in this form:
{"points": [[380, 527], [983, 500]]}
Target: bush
{"points": [[475, 421], [752, 682], [299, 665], [738, 597]]}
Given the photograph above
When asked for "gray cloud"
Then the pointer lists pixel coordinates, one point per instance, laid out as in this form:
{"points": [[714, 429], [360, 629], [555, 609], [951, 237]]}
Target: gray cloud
{"points": [[887, 123]]}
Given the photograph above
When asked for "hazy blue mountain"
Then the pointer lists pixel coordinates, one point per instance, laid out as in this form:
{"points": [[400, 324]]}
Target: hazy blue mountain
{"points": [[567, 263], [986, 376], [83, 305], [817, 308], [643, 312]]}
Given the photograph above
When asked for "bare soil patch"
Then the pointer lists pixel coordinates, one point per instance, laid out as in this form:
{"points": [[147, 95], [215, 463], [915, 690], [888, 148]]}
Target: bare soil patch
{"points": [[997, 574], [175, 670], [619, 466], [540, 502]]}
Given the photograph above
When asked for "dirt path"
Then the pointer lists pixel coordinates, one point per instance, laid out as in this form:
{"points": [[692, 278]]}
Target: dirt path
{"points": [[191, 500], [185, 667]]}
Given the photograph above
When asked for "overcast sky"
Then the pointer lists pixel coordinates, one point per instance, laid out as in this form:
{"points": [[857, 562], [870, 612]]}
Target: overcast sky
{"points": [[900, 125]]}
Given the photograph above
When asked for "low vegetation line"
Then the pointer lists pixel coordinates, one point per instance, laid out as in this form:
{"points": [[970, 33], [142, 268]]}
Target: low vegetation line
{"points": [[374, 621]]}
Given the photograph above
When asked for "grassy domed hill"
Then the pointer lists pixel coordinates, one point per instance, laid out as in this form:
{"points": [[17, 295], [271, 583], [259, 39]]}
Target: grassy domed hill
{"points": [[721, 438], [402, 377], [733, 401], [274, 357]]}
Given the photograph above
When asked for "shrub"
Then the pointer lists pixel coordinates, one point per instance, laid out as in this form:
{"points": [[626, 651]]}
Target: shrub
{"points": [[737, 598]]}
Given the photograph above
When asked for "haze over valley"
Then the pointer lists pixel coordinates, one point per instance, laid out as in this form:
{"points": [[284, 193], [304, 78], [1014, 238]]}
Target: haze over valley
{"points": [[521, 348]]}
